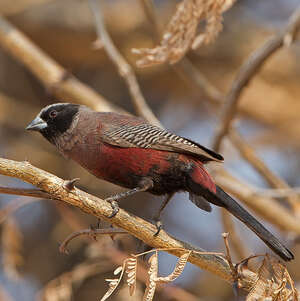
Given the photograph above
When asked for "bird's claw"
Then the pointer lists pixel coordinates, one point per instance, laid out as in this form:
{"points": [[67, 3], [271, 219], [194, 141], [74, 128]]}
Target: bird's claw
{"points": [[115, 207], [70, 184], [159, 226]]}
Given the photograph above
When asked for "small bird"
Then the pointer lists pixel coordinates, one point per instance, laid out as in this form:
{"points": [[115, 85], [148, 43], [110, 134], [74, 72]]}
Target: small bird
{"points": [[130, 152]]}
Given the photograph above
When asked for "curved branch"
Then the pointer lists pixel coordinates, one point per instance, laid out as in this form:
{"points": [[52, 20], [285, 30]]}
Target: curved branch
{"points": [[134, 225], [89, 232]]}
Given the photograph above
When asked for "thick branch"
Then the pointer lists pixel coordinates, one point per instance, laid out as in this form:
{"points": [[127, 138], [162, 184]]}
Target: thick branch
{"points": [[51, 74], [90, 204], [248, 70]]}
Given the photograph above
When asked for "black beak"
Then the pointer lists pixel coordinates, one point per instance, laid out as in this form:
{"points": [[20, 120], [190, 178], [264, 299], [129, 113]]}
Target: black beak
{"points": [[36, 124]]}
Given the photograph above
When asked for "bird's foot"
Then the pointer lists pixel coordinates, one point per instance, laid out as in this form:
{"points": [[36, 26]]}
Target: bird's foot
{"points": [[159, 226], [114, 206], [70, 184]]}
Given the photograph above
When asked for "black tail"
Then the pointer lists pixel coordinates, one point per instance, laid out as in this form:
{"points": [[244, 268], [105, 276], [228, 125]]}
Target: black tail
{"points": [[222, 199]]}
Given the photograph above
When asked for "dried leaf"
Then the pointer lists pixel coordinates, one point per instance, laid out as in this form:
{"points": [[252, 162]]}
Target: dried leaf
{"points": [[270, 282], [131, 267], [113, 283], [180, 33], [151, 285], [177, 270], [260, 290], [118, 270]]}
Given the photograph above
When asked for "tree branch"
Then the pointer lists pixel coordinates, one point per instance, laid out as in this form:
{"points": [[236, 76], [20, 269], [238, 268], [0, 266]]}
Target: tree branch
{"points": [[248, 153], [265, 207], [90, 204], [35, 193], [125, 70], [54, 77], [249, 70]]}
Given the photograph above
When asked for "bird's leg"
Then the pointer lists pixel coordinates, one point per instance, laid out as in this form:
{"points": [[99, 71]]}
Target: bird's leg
{"points": [[113, 200], [70, 184], [157, 216]]}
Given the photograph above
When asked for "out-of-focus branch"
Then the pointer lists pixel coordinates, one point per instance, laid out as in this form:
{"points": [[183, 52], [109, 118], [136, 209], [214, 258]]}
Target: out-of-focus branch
{"points": [[148, 7], [186, 68], [64, 283], [52, 75], [249, 154], [248, 70], [134, 225], [9, 209], [36, 193], [279, 192], [125, 70], [262, 205]]}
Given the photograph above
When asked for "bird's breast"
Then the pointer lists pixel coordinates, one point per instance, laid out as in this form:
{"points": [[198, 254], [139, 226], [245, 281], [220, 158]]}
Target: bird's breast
{"points": [[128, 166]]}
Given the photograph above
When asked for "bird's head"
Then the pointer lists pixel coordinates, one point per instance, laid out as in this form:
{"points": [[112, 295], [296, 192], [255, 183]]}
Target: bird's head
{"points": [[54, 120]]}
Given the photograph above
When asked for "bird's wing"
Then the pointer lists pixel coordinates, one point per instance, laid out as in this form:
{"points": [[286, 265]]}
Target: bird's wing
{"points": [[145, 135]]}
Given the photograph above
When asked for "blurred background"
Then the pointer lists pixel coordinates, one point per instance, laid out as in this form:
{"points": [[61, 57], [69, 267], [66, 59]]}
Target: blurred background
{"points": [[269, 121]]}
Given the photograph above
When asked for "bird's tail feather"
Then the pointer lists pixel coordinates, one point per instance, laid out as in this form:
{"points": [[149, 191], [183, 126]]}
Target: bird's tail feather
{"points": [[222, 199]]}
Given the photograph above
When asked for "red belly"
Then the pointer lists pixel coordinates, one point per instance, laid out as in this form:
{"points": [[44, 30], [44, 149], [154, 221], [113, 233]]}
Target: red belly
{"points": [[127, 166]]}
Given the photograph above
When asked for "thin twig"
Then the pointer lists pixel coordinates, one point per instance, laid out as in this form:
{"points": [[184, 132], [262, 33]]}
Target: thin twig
{"points": [[89, 232], [248, 70], [61, 288], [186, 68], [238, 245], [34, 193], [124, 68], [228, 256], [148, 7]]}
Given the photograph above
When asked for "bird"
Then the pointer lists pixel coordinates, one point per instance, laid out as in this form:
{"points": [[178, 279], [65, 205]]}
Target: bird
{"points": [[132, 153]]}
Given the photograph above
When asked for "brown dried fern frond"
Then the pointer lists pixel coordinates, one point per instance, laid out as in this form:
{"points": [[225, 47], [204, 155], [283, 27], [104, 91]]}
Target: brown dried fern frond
{"points": [[180, 265], [130, 270], [180, 34], [151, 285], [272, 281], [113, 283], [260, 289]]}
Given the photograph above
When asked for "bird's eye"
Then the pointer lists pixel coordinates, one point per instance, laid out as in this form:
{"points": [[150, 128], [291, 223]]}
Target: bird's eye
{"points": [[53, 114]]}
